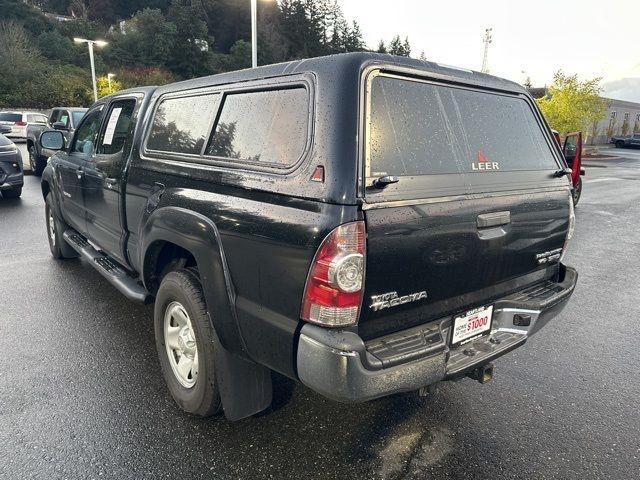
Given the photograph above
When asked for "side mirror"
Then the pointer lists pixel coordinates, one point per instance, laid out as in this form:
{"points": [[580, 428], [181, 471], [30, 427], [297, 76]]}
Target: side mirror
{"points": [[60, 126], [52, 140]]}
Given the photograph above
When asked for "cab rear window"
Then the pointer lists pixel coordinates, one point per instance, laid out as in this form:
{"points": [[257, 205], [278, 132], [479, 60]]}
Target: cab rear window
{"points": [[420, 128]]}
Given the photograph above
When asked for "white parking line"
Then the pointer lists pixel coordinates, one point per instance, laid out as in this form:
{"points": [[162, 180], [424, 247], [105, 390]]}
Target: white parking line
{"points": [[603, 179], [620, 152]]}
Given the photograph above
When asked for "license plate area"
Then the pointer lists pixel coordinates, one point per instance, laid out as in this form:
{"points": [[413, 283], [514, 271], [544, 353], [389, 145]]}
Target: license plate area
{"points": [[472, 324]]}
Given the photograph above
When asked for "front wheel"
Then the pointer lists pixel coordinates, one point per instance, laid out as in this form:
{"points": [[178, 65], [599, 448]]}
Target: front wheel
{"points": [[619, 144], [35, 161], [576, 192], [55, 228], [185, 343]]}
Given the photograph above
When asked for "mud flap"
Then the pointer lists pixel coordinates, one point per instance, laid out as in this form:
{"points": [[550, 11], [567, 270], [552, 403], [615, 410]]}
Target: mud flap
{"points": [[245, 387]]}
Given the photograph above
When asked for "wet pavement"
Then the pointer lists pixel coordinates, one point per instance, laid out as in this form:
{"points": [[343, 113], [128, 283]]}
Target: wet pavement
{"points": [[81, 394]]}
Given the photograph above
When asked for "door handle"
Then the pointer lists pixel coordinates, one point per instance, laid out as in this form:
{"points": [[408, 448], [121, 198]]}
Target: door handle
{"points": [[495, 219], [110, 181], [79, 173]]}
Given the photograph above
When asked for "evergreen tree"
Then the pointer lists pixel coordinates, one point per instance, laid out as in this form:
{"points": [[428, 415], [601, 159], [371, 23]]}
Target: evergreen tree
{"points": [[354, 41], [395, 47], [406, 47], [188, 57], [381, 47]]}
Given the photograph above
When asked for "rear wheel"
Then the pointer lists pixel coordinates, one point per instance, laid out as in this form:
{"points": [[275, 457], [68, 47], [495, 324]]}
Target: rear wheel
{"points": [[576, 192], [619, 144], [13, 193], [36, 161], [185, 343]]}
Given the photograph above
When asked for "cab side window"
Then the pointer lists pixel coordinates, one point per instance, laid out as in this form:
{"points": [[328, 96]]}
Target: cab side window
{"points": [[87, 133], [117, 128], [64, 118]]}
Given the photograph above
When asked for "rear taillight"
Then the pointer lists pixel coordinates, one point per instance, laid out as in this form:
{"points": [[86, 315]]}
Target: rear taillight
{"points": [[333, 293], [21, 124], [572, 223]]}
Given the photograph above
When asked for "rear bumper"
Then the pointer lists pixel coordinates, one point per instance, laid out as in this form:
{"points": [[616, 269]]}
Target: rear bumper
{"points": [[11, 174], [341, 366]]}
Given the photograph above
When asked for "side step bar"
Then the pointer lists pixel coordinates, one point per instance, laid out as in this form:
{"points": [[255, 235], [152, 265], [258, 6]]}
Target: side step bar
{"points": [[108, 268]]}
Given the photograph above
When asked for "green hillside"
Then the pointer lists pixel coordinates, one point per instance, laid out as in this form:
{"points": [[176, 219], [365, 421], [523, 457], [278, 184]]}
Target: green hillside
{"points": [[156, 42]]}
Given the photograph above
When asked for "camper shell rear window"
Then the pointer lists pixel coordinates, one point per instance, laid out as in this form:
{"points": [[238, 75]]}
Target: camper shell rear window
{"points": [[463, 138]]}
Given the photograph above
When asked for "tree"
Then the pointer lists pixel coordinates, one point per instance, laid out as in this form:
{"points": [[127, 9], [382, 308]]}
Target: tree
{"points": [[595, 131], [189, 58], [398, 47], [148, 39], [55, 46], [406, 47], [140, 76], [382, 47], [395, 47], [353, 41], [105, 87], [612, 128], [625, 125], [570, 104], [17, 54]]}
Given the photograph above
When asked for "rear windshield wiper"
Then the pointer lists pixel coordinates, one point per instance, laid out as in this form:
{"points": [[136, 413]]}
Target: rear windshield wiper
{"points": [[385, 180]]}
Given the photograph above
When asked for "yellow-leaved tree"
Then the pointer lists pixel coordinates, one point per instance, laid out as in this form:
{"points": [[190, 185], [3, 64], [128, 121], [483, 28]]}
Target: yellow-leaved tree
{"points": [[572, 105], [106, 86]]}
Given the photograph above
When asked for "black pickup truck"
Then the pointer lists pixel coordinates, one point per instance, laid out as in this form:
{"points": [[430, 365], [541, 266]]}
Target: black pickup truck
{"points": [[65, 119], [362, 223]]}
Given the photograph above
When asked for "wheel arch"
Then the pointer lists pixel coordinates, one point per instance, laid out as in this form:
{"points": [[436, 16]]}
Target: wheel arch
{"points": [[245, 386], [175, 235]]}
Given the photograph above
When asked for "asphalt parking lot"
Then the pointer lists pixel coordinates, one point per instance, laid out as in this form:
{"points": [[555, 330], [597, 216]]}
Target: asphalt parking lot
{"points": [[81, 394]]}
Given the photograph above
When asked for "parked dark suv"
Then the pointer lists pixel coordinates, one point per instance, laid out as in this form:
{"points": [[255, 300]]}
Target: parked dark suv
{"points": [[363, 223]]}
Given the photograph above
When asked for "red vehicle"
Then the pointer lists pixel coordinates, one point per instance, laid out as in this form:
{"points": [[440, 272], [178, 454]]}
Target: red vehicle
{"points": [[572, 150]]}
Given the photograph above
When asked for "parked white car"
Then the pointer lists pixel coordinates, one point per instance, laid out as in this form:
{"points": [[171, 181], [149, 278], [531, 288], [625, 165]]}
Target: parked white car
{"points": [[18, 121]]}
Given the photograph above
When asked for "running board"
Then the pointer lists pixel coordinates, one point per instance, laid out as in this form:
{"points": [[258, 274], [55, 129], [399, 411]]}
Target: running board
{"points": [[108, 268]]}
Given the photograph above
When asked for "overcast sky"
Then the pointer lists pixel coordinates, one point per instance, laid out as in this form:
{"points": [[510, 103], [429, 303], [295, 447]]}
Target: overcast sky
{"points": [[588, 37]]}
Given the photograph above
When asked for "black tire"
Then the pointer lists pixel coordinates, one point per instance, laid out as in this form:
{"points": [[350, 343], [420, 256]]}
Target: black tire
{"points": [[183, 288], [13, 193], [576, 192], [36, 162], [619, 144], [55, 228]]}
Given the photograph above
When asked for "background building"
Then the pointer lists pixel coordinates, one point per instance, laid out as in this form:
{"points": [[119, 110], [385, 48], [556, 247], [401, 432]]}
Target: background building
{"points": [[621, 118]]}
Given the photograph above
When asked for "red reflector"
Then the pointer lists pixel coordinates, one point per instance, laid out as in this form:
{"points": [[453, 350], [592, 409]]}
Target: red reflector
{"points": [[333, 293], [481, 157], [318, 174], [21, 124]]}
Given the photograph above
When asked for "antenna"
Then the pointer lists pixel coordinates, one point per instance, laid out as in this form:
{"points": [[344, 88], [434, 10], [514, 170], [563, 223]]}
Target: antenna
{"points": [[487, 41]]}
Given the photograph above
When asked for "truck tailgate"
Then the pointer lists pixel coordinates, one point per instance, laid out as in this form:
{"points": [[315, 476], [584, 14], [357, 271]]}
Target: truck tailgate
{"points": [[461, 254]]}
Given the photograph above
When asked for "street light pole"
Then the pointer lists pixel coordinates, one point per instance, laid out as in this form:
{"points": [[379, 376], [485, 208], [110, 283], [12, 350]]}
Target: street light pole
{"points": [[254, 33], [93, 73], [100, 43]]}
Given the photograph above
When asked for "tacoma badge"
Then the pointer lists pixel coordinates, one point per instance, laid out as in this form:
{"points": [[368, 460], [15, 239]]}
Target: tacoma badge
{"points": [[391, 299]]}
